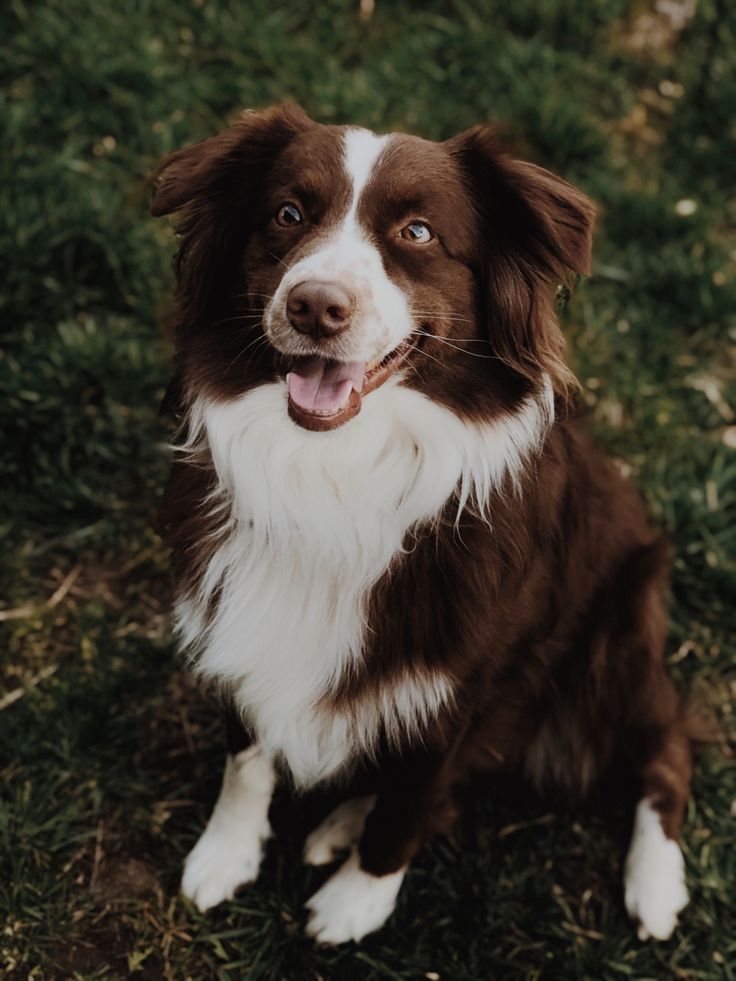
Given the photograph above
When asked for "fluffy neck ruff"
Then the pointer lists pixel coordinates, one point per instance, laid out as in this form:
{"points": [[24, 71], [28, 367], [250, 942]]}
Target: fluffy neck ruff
{"points": [[309, 523]]}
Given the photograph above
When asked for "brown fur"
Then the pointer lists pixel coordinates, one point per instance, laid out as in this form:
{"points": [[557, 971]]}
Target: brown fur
{"points": [[551, 622]]}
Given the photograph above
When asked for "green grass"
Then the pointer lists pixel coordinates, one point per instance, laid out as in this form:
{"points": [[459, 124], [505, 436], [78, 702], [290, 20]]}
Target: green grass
{"points": [[110, 756]]}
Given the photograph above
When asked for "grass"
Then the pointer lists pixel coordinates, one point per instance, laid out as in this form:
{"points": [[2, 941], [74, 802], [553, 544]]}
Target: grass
{"points": [[110, 756]]}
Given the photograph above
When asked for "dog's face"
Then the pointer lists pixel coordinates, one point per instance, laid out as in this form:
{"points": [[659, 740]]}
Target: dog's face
{"points": [[368, 261], [335, 258]]}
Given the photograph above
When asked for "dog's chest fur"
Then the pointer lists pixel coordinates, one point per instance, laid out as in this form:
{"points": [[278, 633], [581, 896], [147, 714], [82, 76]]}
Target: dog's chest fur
{"points": [[309, 526]]}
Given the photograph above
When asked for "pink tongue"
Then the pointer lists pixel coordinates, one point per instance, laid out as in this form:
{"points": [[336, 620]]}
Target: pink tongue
{"points": [[318, 385]]}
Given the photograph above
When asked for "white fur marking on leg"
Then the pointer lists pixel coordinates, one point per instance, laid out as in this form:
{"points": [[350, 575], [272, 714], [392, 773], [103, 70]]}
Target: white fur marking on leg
{"points": [[654, 876], [229, 852], [352, 903], [338, 832]]}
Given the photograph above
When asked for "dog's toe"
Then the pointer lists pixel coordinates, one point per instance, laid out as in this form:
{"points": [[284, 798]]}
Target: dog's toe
{"points": [[352, 903], [219, 864]]}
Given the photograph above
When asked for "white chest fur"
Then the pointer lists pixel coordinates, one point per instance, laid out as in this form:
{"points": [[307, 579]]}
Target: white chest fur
{"points": [[312, 522]]}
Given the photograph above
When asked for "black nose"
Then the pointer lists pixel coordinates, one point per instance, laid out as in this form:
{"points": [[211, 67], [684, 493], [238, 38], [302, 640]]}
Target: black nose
{"points": [[320, 309]]}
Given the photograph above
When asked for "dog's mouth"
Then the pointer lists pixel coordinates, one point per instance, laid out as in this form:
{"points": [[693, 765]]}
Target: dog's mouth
{"points": [[325, 394]]}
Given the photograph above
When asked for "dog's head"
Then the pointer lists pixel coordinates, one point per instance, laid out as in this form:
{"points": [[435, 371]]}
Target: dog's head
{"points": [[335, 259]]}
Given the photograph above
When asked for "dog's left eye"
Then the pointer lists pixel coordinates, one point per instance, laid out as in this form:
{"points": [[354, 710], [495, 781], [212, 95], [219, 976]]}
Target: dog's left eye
{"points": [[288, 215], [417, 232]]}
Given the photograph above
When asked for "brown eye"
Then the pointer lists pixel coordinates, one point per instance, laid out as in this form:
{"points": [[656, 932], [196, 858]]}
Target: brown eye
{"points": [[288, 215], [417, 232]]}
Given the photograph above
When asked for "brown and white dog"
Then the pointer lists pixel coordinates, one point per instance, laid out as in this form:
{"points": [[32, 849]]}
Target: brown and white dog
{"points": [[394, 548]]}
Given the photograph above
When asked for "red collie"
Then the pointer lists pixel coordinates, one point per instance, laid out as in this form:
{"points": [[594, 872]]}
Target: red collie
{"points": [[395, 549]]}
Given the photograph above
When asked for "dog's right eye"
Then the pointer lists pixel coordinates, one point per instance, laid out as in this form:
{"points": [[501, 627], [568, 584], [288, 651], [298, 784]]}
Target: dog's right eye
{"points": [[288, 215]]}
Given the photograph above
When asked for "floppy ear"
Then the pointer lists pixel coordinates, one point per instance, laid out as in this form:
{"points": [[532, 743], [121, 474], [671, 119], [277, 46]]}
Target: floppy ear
{"points": [[213, 187], [188, 175], [536, 231]]}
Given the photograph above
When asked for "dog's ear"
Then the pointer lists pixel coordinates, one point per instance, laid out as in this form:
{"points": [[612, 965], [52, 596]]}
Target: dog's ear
{"points": [[214, 189], [535, 231], [188, 176]]}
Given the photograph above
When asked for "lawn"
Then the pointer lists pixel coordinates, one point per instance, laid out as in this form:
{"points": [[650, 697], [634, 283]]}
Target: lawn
{"points": [[110, 756]]}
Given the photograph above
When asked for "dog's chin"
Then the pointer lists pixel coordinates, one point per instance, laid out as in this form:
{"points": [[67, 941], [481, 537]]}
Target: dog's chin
{"points": [[324, 394]]}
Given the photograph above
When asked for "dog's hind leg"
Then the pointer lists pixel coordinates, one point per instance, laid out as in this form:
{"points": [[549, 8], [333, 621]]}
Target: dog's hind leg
{"points": [[654, 873], [658, 747], [229, 852]]}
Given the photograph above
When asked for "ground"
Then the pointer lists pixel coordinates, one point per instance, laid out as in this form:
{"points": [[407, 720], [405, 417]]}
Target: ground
{"points": [[110, 755]]}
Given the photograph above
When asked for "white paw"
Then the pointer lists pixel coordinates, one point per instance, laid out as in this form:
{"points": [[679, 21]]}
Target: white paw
{"points": [[228, 854], [220, 863], [352, 903], [338, 832], [654, 877]]}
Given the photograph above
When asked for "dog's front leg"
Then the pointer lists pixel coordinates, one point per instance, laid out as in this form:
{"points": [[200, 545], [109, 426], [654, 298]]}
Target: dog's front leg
{"points": [[229, 851], [412, 803]]}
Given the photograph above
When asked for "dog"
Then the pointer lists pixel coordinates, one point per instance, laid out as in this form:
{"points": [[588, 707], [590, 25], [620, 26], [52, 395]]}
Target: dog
{"points": [[396, 551]]}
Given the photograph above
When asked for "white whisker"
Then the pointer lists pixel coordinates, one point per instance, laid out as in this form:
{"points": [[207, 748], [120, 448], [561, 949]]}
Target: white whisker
{"points": [[444, 340], [254, 345]]}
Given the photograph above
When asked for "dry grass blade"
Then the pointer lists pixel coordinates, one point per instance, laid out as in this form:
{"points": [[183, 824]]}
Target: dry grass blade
{"points": [[22, 612]]}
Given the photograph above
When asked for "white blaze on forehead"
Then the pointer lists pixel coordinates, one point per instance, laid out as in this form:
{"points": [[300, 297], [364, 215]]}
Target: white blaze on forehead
{"points": [[361, 154], [348, 253]]}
